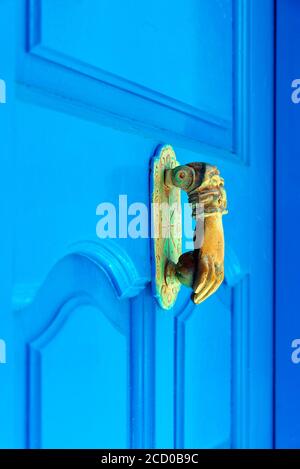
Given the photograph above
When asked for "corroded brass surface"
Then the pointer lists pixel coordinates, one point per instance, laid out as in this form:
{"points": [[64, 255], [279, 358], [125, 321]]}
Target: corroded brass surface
{"points": [[203, 268], [166, 217]]}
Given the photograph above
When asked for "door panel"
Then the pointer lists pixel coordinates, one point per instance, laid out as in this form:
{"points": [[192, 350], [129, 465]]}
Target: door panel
{"points": [[97, 88], [66, 370], [207, 382], [170, 38], [79, 364]]}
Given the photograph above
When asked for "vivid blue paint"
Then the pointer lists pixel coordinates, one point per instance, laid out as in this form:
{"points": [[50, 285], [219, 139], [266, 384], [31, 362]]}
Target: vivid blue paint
{"points": [[287, 226], [92, 360]]}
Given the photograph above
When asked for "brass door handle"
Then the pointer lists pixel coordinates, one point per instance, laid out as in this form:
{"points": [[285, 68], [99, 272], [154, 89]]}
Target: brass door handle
{"points": [[203, 268]]}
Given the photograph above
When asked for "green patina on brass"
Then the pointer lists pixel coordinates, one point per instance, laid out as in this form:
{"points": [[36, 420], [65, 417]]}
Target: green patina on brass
{"points": [[167, 225], [203, 268]]}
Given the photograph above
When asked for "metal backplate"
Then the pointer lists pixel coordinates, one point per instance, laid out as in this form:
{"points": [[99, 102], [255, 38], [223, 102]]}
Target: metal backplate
{"points": [[166, 227]]}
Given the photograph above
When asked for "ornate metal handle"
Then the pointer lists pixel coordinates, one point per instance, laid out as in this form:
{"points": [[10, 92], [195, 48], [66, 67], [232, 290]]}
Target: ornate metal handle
{"points": [[203, 268]]}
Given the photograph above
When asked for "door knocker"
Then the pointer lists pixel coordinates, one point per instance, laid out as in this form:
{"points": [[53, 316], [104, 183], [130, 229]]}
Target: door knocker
{"points": [[203, 268]]}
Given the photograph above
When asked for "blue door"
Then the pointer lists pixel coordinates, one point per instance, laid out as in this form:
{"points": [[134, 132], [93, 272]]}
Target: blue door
{"points": [[92, 88]]}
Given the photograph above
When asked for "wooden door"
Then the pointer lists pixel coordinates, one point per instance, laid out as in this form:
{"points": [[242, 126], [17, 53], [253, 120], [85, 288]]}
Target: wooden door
{"points": [[93, 87]]}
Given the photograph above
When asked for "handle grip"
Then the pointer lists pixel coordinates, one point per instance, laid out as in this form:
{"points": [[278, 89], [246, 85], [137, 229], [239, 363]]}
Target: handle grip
{"points": [[203, 268]]}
